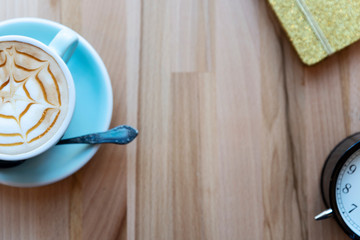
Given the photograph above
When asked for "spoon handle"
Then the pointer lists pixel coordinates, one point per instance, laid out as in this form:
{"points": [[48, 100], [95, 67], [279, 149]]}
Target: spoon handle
{"points": [[119, 135]]}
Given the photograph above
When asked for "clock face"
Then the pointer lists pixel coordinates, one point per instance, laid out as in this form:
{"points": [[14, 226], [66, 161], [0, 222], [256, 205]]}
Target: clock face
{"points": [[348, 192]]}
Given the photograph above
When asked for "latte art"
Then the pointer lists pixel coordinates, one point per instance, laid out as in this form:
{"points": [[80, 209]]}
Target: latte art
{"points": [[33, 97]]}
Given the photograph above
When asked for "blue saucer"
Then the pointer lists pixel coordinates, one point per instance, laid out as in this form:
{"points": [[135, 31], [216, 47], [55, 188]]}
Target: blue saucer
{"points": [[93, 109]]}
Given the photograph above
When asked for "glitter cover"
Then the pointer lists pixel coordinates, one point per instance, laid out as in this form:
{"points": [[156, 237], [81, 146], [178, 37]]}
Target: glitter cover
{"points": [[317, 28]]}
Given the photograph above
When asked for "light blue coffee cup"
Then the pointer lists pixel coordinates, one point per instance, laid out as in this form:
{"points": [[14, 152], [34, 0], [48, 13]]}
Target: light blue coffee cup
{"points": [[61, 49]]}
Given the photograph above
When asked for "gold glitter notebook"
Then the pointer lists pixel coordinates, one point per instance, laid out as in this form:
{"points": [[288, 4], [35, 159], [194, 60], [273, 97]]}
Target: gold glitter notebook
{"points": [[318, 28]]}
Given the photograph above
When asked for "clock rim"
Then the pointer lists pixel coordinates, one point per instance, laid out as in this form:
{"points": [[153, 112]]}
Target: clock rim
{"points": [[332, 191], [343, 146]]}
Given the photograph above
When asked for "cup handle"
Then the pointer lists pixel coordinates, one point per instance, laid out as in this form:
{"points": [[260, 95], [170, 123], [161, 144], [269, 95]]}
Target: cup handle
{"points": [[64, 43]]}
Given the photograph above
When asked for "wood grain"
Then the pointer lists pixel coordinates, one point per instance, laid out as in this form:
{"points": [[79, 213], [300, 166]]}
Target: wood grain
{"points": [[91, 204], [234, 129]]}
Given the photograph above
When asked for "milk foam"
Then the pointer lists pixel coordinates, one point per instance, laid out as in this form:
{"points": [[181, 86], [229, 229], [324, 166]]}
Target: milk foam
{"points": [[33, 97]]}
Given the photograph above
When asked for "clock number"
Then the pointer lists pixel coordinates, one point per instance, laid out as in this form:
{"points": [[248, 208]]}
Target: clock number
{"points": [[352, 169], [346, 189], [354, 207]]}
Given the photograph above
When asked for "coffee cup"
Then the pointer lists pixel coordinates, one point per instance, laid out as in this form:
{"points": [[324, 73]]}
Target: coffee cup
{"points": [[37, 94]]}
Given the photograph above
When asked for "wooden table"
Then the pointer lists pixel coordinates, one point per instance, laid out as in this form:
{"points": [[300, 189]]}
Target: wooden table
{"points": [[234, 129]]}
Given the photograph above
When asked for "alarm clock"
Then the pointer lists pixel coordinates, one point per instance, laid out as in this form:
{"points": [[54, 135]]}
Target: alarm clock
{"points": [[340, 186]]}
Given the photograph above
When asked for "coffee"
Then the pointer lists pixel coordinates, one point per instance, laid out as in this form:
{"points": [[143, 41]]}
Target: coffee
{"points": [[34, 97]]}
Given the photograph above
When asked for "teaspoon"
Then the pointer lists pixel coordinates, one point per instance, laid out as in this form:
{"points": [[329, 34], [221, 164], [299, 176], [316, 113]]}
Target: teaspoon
{"points": [[119, 135]]}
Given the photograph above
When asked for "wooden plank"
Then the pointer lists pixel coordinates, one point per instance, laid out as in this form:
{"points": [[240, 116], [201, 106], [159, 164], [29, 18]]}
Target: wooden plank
{"points": [[133, 39], [177, 152], [92, 203], [193, 163], [39, 213], [103, 180], [234, 129], [269, 125]]}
